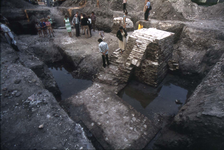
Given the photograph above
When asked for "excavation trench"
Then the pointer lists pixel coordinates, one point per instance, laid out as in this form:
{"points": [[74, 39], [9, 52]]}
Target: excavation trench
{"points": [[158, 104], [100, 110]]}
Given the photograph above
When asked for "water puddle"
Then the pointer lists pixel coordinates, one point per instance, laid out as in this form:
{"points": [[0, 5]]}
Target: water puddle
{"points": [[67, 84], [160, 100]]}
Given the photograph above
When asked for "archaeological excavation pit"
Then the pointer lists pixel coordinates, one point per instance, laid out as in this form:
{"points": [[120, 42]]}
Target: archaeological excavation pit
{"points": [[56, 94], [150, 91]]}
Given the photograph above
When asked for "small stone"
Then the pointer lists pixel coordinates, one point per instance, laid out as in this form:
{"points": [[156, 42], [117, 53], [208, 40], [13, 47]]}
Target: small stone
{"points": [[54, 148], [56, 115], [18, 94], [17, 104], [14, 92], [92, 124], [41, 126], [134, 119], [17, 81]]}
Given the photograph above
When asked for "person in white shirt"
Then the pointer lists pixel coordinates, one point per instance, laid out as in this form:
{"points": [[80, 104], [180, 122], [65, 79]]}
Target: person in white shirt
{"points": [[103, 48], [76, 22], [9, 36]]}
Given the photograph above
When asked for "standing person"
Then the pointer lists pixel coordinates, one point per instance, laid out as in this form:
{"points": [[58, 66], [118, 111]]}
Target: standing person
{"points": [[50, 20], [90, 25], [49, 28], [124, 19], [147, 10], [103, 47], [75, 22], [124, 5], [85, 26], [81, 21], [37, 26], [97, 3], [8, 35], [93, 19], [121, 35], [68, 25], [43, 27]]}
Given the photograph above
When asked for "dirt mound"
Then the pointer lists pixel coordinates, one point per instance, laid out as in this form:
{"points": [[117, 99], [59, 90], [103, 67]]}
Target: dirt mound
{"points": [[212, 12], [16, 4], [71, 3]]}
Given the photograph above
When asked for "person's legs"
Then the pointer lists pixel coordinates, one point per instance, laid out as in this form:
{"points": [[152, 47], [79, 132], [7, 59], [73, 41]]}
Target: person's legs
{"points": [[90, 27], [124, 7], [40, 33], [103, 57], [76, 30], [84, 29], [87, 27], [51, 31], [70, 34], [93, 25], [107, 59], [146, 14]]}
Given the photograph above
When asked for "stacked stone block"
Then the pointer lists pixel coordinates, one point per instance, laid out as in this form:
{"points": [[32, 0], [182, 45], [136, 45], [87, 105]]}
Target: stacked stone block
{"points": [[148, 51], [153, 53]]}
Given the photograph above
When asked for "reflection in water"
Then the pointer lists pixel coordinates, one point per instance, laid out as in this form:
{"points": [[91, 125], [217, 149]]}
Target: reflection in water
{"points": [[160, 100], [66, 83]]}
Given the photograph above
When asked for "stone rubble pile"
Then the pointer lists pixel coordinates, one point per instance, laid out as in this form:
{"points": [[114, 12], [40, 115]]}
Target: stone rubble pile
{"points": [[118, 21]]}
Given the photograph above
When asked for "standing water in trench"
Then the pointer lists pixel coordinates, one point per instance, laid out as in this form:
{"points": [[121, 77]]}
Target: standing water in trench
{"points": [[67, 84], [160, 100]]}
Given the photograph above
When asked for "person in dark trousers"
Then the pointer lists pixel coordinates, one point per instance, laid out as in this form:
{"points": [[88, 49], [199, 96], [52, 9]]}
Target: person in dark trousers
{"points": [[147, 10], [124, 5], [103, 47], [93, 20], [75, 22]]}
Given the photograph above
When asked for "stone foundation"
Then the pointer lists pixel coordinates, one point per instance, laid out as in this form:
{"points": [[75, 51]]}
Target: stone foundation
{"points": [[150, 55]]}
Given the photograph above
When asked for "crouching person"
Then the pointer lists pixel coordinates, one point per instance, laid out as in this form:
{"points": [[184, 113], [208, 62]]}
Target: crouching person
{"points": [[8, 35], [103, 47]]}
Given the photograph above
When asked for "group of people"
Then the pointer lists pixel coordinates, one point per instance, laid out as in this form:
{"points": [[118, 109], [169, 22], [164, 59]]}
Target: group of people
{"points": [[44, 27], [146, 9], [103, 46], [81, 22]]}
